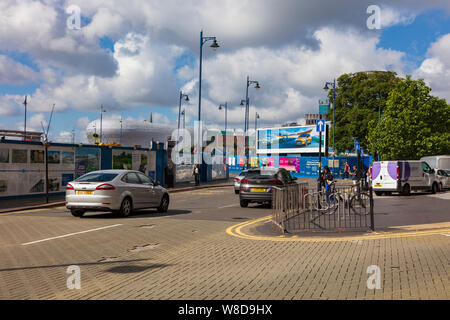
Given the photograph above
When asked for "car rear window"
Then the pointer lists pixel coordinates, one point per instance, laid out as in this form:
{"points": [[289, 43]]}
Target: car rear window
{"points": [[97, 177], [261, 174]]}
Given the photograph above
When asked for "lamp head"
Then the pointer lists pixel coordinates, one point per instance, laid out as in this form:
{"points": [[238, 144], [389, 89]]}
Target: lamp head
{"points": [[187, 99], [215, 46], [257, 87], [326, 87], [242, 103]]}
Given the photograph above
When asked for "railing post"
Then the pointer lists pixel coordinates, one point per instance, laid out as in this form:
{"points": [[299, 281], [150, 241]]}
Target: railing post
{"points": [[372, 215]]}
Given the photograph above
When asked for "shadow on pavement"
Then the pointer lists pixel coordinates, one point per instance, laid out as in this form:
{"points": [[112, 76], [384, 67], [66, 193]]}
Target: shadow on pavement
{"points": [[76, 264], [135, 269]]}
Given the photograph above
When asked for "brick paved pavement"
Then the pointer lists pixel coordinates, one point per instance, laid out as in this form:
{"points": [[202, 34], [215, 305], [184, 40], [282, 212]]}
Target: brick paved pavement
{"points": [[191, 257]]}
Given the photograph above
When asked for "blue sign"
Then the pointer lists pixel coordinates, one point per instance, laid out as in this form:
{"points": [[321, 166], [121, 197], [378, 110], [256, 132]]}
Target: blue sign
{"points": [[320, 126], [356, 145]]}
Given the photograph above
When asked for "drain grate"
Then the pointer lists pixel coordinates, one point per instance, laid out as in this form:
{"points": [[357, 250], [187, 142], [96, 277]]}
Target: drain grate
{"points": [[144, 248], [240, 218]]}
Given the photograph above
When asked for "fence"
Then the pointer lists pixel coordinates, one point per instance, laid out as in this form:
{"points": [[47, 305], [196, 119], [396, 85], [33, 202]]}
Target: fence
{"points": [[297, 208]]}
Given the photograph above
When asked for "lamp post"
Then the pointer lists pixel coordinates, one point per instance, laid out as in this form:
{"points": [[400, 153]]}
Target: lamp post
{"points": [[214, 46], [247, 106], [183, 113], [256, 121], [334, 108], [101, 122], [186, 98], [225, 106], [121, 121], [25, 122]]}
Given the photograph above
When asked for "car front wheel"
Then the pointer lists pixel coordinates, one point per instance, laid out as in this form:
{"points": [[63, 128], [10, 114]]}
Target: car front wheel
{"points": [[77, 212], [164, 205]]}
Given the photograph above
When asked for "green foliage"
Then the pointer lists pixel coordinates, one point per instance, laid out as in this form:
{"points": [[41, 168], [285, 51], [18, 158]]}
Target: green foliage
{"points": [[358, 97], [414, 124]]}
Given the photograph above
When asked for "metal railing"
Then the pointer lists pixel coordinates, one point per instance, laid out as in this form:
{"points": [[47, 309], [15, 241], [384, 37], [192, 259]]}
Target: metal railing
{"points": [[298, 208]]}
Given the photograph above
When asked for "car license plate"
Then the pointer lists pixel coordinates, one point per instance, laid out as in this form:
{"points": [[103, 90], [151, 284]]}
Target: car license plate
{"points": [[85, 192], [378, 185], [258, 190]]}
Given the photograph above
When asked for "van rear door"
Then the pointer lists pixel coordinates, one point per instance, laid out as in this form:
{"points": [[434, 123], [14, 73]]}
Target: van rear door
{"points": [[384, 175]]}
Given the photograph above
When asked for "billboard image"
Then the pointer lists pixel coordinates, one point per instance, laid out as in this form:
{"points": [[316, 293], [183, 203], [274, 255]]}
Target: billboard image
{"points": [[289, 140]]}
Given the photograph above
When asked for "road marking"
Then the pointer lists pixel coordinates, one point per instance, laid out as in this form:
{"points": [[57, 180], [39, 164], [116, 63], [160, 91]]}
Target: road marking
{"points": [[70, 234], [24, 211], [236, 231]]}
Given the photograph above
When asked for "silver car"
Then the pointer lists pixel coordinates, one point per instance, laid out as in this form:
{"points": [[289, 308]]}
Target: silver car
{"points": [[237, 181], [443, 177], [119, 191]]}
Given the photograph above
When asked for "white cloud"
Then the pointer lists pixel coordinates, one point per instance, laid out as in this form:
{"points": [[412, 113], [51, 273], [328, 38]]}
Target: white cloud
{"points": [[435, 70], [15, 73]]}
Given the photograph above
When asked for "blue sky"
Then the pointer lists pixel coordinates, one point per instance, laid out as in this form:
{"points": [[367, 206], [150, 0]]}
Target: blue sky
{"points": [[154, 62]]}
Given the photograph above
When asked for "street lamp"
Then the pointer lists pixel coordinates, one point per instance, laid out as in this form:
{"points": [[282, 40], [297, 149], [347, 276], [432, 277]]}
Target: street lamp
{"points": [[247, 106], [214, 46], [25, 122], [121, 121], [225, 106], [183, 113], [101, 122], [186, 98], [334, 108], [256, 121]]}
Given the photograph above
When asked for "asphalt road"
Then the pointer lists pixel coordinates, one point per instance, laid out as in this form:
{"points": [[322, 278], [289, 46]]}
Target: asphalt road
{"points": [[187, 254]]}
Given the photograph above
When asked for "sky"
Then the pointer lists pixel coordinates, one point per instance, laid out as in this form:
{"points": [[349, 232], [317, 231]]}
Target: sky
{"points": [[134, 57]]}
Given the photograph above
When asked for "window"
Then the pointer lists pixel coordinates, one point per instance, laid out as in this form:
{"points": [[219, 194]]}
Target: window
{"points": [[19, 156], [131, 178], [37, 156], [53, 157], [145, 180], [4, 155], [97, 177], [426, 167]]}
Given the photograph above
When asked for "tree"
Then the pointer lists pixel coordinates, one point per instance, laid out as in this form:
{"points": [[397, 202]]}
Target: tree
{"points": [[358, 97], [414, 124]]}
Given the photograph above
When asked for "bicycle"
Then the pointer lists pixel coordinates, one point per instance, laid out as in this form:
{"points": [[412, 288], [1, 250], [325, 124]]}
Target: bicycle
{"points": [[360, 202]]}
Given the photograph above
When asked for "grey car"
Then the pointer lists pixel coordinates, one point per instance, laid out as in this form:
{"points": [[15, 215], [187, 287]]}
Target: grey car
{"points": [[119, 191], [258, 184]]}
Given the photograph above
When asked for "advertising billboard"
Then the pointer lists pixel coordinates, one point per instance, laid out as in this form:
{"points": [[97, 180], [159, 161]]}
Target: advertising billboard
{"points": [[289, 140]]}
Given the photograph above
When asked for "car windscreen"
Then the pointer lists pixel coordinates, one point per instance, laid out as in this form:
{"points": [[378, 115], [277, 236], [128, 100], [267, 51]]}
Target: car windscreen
{"points": [[261, 174], [97, 177]]}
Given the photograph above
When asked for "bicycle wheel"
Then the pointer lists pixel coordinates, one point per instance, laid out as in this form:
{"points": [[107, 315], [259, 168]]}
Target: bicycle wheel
{"points": [[360, 204]]}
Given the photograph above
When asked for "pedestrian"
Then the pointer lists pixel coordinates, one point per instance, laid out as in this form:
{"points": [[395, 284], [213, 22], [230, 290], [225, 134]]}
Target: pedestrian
{"points": [[346, 170], [328, 178], [197, 174]]}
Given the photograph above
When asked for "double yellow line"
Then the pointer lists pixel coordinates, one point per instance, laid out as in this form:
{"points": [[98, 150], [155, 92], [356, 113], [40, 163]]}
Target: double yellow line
{"points": [[237, 231]]}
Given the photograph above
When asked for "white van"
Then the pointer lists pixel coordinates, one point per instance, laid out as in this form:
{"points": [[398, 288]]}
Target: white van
{"points": [[437, 162], [403, 177]]}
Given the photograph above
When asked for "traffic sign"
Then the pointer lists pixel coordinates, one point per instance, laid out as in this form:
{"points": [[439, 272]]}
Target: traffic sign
{"points": [[320, 126], [357, 145]]}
